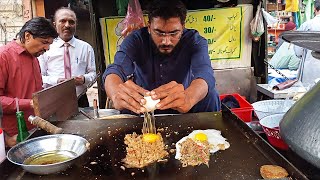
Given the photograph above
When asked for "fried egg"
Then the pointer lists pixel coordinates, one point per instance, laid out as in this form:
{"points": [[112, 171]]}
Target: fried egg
{"points": [[215, 139]]}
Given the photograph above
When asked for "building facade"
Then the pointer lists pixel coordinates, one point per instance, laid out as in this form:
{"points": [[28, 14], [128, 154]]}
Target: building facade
{"points": [[14, 13], [11, 19]]}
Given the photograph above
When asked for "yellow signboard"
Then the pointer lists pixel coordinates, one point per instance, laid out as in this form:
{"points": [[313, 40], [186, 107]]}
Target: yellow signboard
{"points": [[223, 29]]}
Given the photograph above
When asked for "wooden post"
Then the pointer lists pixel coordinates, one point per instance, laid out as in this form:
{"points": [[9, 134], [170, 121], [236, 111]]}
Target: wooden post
{"points": [[40, 11], [27, 10]]}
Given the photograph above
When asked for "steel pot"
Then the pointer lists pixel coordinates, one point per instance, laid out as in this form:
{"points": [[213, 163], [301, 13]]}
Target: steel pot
{"points": [[300, 126]]}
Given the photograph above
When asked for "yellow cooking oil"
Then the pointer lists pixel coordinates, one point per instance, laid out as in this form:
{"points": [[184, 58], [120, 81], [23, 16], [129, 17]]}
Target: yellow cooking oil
{"points": [[49, 157]]}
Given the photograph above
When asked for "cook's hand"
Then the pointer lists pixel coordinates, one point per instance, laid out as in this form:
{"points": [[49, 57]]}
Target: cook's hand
{"points": [[129, 96], [61, 80], [172, 96], [10, 140], [79, 80]]}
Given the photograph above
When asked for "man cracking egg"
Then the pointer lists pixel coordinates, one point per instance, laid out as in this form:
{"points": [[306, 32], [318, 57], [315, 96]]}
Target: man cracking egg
{"points": [[165, 61]]}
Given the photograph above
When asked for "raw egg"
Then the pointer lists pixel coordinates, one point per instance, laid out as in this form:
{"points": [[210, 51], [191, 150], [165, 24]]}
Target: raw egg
{"points": [[150, 104], [150, 137]]}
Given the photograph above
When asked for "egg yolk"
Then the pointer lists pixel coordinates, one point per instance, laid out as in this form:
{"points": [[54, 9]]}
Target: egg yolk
{"points": [[150, 137], [201, 137]]}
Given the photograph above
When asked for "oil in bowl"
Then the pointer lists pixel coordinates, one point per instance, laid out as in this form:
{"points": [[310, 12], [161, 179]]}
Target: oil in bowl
{"points": [[50, 157], [48, 154]]}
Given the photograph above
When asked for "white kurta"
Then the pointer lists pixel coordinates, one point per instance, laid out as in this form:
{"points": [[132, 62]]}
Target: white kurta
{"points": [[81, 58], [309, 68]]}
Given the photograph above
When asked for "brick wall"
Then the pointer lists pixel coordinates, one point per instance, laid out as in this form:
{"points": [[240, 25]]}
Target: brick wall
{"points": [[11, 19]]}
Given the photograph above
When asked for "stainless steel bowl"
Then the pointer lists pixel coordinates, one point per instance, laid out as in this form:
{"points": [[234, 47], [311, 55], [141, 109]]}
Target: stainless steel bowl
{"points": [[300, 127], [66, 145]]}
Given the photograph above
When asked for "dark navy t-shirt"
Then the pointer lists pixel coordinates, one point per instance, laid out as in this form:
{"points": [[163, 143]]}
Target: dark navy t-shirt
{"points": [[139, 58]]}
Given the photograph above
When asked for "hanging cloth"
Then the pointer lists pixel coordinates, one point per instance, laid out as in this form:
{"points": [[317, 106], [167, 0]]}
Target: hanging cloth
{"points": [[122, 7], [292, 6], [308, 12]]}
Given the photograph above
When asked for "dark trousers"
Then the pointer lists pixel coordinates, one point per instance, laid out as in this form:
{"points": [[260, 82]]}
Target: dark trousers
{"points": [[83, 101]]}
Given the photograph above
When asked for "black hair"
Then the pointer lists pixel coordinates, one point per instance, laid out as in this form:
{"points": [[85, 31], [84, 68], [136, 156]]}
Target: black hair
{"points": [[167, 9], [38, 27], [317, 5], [62, 8]]}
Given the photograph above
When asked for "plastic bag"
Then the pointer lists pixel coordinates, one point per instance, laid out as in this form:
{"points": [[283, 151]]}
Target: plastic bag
{"points": [[256, 25], [269, 19], [133, 20]]}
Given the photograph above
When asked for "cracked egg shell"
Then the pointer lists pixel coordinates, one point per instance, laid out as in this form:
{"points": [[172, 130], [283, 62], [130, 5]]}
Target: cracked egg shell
{"points": [[150, 103]]}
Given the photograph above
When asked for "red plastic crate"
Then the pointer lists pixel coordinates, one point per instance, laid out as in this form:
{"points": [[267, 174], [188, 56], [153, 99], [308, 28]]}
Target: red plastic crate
{"points": [[245, 110]]}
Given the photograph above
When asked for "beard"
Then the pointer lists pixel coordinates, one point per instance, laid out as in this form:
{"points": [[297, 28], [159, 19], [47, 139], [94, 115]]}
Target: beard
{"points": [[165, 49], [162, 49]]}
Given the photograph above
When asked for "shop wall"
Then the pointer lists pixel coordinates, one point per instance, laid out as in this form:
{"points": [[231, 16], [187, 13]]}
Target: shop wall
{"points": [[11, 19]]}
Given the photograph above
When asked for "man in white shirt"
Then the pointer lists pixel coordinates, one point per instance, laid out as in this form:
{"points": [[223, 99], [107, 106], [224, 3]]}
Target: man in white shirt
{"points": [[309, 67], [68, 57], [285, 57]]}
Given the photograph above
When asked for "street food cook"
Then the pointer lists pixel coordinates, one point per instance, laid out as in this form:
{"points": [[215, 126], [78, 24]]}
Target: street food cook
{"points": [[195, 148], [166, 60]]}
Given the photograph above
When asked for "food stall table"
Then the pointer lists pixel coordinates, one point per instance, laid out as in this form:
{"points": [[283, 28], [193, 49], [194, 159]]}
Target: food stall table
{"points": [[265, 89]]}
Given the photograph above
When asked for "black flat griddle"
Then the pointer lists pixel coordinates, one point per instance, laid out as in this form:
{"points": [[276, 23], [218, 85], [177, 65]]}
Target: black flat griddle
{"points": [[242, 160]]}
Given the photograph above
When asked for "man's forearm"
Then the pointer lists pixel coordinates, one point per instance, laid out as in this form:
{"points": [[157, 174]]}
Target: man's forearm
{"points": [[9, 104], [197, 90], [112, 81]]}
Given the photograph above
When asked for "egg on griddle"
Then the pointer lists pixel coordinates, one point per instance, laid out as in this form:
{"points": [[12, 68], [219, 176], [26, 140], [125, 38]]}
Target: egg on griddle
{"points": [[213, 137]]}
